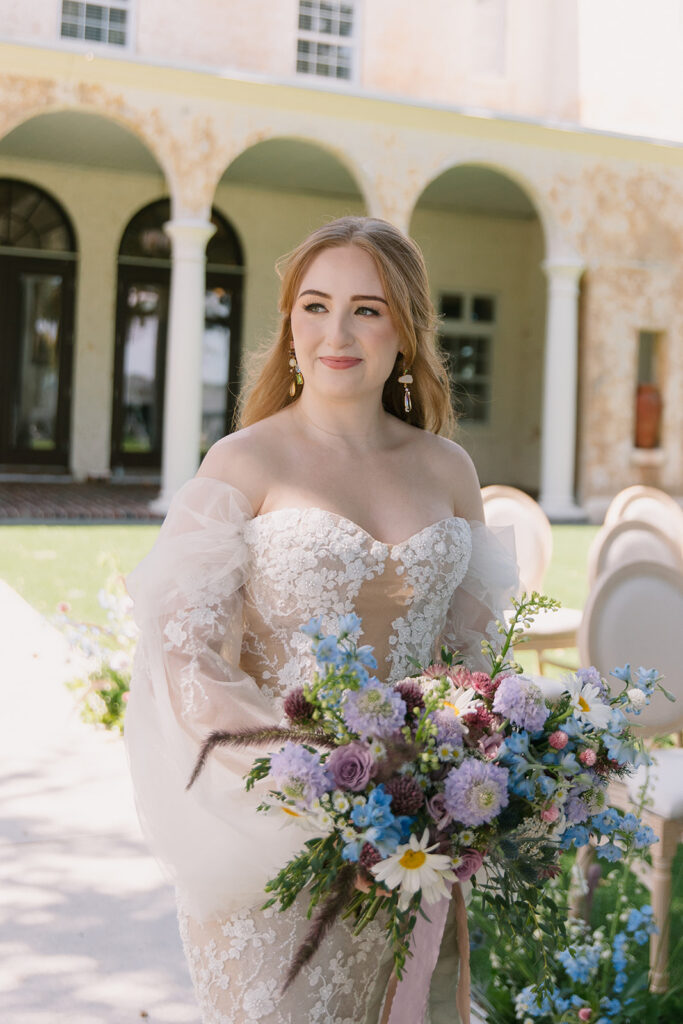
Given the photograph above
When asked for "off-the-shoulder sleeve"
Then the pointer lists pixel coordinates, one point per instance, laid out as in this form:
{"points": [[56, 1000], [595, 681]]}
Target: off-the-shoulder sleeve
{"points": [[187, 682], [491, 580]]}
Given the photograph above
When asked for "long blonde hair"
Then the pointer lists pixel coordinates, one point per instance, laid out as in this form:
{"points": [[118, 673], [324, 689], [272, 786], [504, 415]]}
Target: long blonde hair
{"points": [[402, 270]]}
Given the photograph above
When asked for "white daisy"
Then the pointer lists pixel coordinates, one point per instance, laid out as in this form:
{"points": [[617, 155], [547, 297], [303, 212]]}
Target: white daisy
{"points": [[588, 703], [340, 801], [461, 700], [414, 868]]}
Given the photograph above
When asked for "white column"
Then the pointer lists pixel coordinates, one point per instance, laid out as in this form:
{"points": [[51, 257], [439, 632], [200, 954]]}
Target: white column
{"points": [[558, 437], [183, 388]]}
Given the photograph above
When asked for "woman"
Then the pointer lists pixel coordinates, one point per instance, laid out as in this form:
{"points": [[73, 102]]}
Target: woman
{"points": [[337, 494]]}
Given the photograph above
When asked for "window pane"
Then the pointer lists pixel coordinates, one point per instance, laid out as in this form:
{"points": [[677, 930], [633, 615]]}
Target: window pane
{"points": [[72, 9], [117, 38], [304, 48], [95, 15], [451, 306], [483, 309], [473, 401], [117, 17], [69, 31], [34, 411], [94, 34]]}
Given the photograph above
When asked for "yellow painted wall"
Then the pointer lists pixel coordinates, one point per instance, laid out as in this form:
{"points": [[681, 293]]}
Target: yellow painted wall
{"points": [[501, 257]]}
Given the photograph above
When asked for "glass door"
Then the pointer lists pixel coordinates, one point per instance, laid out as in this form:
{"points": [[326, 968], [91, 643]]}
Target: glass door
{"points": [[36, 297]]}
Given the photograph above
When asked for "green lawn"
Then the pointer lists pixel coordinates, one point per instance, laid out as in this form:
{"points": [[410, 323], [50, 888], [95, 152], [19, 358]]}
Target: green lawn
{"points": [[48, 564]]}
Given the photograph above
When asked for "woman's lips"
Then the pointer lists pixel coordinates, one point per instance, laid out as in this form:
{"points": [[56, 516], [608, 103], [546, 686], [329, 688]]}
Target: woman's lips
{"points": [[339, 362]]}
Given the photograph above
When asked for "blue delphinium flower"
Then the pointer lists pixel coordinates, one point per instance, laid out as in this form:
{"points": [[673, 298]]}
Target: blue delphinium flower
{"points": [[328, 652], [578, 835], [606, 822], [622, 673], [349, 624], [313, 627], [644, 837], [531, 1003], [580, 961], [376, 710], [609, 851], [646, 680]]}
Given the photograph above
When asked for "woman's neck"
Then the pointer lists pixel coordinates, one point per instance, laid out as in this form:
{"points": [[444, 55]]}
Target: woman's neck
{"points": [[354, 426]]}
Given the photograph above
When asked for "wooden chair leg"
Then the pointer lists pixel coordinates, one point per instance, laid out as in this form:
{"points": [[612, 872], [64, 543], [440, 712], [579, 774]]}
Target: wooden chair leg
{"points": [[662, 857]]}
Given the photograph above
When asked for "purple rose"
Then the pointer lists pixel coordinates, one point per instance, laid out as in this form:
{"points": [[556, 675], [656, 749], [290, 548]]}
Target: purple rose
{"points": [[470, 862], [436, 805], [351, 766]]}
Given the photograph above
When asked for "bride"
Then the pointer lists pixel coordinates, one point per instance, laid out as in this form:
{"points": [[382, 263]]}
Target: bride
{"points": [[338, 494]]}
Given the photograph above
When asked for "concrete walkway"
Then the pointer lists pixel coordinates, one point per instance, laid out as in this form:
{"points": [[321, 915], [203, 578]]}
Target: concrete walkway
{"points": [[88, 932]]}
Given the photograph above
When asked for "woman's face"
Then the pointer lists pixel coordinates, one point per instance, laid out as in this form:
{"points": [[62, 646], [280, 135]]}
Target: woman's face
{"points": [[345, 339]]}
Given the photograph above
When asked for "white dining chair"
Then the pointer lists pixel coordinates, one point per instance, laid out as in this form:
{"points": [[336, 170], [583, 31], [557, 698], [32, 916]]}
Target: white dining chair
{"points": [[634, 614], [508, 506], [651, 505], [631, 540]]}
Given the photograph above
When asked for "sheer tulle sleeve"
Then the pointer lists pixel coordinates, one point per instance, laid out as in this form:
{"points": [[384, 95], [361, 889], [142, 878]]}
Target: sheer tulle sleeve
{"points": [[187, 682], [491, 580]]}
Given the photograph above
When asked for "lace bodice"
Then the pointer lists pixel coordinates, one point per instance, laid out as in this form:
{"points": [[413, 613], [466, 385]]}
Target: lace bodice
{"points": [[307, 562], [219, 601]]}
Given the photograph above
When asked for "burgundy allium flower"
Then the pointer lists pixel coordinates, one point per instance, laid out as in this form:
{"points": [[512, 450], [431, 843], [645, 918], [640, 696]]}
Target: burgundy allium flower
{"points": [[588, 757], [551, 871], [471, 861], [297, 708], [369, 856], [482, 683], [558, 740], [407, 796], [411, 693], [351, 766]]}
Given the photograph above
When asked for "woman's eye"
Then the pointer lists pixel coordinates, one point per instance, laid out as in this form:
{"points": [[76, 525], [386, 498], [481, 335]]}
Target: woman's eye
{"points": [[314, 307], [367, 311]]}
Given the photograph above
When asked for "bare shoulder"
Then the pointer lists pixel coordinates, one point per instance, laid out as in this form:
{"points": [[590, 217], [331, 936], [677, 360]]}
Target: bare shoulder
{"points": [[246, 459], [454, 464]]}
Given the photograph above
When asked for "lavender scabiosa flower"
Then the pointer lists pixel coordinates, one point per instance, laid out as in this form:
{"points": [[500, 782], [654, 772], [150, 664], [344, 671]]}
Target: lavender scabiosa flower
{"points": [[522, 701], [299, 774], [475, 792], [376, 710], [449, 728]]}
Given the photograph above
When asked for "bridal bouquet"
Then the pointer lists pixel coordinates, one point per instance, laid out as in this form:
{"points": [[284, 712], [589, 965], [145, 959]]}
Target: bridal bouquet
{"points": [[408, 788]]}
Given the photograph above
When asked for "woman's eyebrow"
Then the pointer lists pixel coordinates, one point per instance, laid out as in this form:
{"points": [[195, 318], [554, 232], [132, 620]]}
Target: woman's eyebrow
{"points": [[354, 298]]}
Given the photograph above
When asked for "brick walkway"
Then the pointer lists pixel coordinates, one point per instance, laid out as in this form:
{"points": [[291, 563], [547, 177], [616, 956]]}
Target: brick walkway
{"points": [[71, 502]]}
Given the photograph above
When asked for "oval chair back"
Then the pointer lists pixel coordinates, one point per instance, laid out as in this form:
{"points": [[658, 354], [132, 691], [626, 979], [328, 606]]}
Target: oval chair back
{"points": [[651, 505], [631, 540], [508, 506], [634, 614]]}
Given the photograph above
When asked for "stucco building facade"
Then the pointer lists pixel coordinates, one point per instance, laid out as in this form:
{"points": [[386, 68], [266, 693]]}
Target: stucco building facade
{"points": [[156, 159]]}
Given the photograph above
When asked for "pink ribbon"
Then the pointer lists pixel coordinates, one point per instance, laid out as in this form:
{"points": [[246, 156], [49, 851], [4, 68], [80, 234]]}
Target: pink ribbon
{"points": [[407, 1003]]}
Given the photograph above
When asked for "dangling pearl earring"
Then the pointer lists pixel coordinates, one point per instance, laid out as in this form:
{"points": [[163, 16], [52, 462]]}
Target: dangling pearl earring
{"points": [[295, 373], [405, 379]]}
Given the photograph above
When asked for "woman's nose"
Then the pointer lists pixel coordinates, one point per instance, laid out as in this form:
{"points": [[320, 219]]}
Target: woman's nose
{"points": [[340, 331]]}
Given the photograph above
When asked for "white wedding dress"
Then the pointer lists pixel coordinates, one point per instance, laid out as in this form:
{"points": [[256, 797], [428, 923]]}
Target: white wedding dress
{"points": [[219, 601]]}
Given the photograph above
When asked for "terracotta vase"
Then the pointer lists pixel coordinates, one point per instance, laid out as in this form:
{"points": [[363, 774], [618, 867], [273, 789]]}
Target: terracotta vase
{"points": [[648, 415]]}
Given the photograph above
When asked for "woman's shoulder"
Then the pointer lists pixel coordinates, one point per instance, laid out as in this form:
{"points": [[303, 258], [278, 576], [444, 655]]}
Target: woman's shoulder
{"points": [[453, 464], [246, 459]]}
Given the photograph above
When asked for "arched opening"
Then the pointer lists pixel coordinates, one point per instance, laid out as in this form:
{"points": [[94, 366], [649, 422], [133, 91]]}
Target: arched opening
{"points": [[37, 277], [484, 245], [275, 193], [144, 278]]}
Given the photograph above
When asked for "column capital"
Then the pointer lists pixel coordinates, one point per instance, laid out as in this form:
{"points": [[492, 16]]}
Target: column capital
{"points": [[189, 236], [567, 270]]}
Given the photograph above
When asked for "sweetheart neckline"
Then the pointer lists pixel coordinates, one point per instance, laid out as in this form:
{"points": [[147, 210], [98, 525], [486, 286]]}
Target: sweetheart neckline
{"points": [[358, 527]]}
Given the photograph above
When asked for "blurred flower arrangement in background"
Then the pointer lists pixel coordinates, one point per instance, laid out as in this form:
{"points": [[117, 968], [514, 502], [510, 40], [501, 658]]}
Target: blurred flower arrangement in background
{"points": [[106, 652]]}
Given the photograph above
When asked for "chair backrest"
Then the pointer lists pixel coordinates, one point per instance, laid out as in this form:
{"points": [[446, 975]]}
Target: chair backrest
{"points": [[648, 504], [508, 506], [631, 540], [635, 615]]}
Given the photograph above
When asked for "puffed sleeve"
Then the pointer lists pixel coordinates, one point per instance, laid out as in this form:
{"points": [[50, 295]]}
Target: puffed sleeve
{"points": [[186, 682], [491, 580]]}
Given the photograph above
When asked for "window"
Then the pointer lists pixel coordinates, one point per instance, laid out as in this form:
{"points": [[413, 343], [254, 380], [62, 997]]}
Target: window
{"points": [[467, 329], [325, 39], [97, 23], [648, 390]]}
